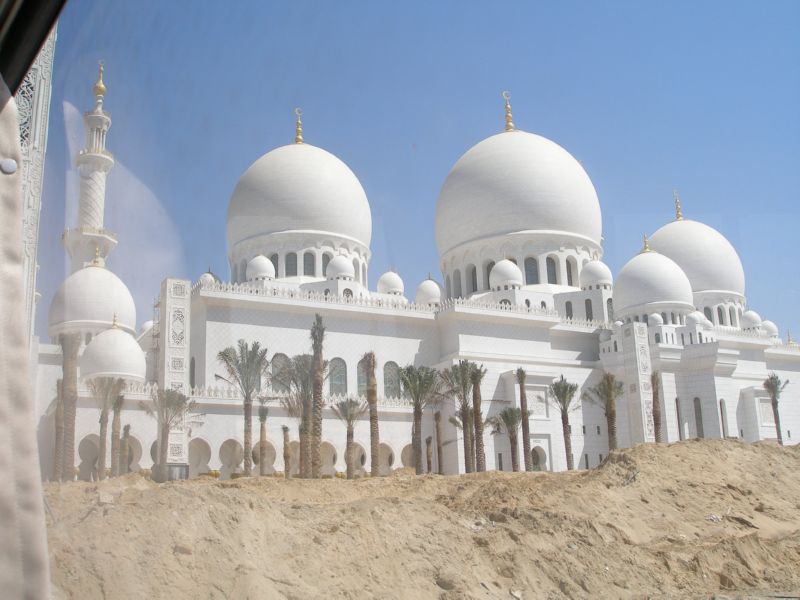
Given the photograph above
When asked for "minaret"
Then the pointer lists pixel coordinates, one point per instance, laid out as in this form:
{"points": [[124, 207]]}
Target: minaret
{"points": [[90, 239]]}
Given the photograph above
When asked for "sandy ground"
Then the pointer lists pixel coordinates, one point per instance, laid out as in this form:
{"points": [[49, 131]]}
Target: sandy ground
{"points": [[686, 520]]}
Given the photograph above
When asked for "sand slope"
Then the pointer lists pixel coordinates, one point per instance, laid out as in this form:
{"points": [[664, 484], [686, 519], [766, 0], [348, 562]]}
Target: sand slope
{"points": [[668, 521]]}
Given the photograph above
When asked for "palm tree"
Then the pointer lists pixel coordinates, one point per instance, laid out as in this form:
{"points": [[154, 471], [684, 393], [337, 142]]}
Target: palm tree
{"points": [[349, 411], [562, 393], [429, 452], [169, 407], [526, 432], [287, 454], [245, 368], [457, 382], [436, 403], [317, 337], [124, 450], [372, 400], [655, 383], [105, 391], [70, 345], [422, 384], [263, 410], [116, 419], [510, 419], [297, 377], [774, 387], [476, 377], [293, 405], [605, 394], [58, 450]]}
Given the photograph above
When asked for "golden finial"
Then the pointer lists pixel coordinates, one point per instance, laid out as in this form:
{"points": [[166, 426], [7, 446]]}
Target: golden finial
{"points": [[678, 213], [100, 87], [298, 128], [646, 245], [509, 121], [114, 322]]}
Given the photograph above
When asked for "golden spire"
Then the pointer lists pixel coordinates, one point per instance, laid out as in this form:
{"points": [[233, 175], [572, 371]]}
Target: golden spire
{"points": [[646, 244], [678, 213], [100, 87], [509, 121], [114, 322], [298, 128]]}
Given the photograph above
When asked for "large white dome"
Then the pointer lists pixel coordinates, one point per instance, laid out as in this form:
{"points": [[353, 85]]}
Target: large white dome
{"points": [[299, 188], [87, 301], [516, 182], [649, 279], [113, 353], [705, 255]]}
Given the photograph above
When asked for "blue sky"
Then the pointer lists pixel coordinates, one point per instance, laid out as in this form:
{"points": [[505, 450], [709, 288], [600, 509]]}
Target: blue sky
{"points": [[698, 96]]}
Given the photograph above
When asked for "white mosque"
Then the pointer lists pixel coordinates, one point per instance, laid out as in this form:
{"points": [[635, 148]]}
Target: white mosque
{"points": [[519, 232]]}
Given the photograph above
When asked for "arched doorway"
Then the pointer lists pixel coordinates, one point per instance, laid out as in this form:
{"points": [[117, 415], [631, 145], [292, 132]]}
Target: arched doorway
{"points": [[407, 456], [538, 458], [385, 459], [270, 458], [88, 453], [698, 417], [231, 455], [328, 456], [199, 455]]}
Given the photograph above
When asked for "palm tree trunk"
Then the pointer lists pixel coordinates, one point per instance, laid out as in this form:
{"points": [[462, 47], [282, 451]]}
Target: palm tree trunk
{"points": [[248, 437], [124, 450], [512, 437], [115, 426], [611, 424], [526, 431], [58, 451], [287, 454], [374, 433], [305, 449], [477, 416], [656, 408], [163, 447], [777, 416], [417, 439], [469, 455], [429, 452], [568, 438], [262, 449], [316, 438], [348, 451], [437, 420], [101, 458], [70, 344]]}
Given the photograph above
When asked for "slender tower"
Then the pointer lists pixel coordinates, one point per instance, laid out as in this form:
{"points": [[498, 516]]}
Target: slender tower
{"points": [[90, 241]]}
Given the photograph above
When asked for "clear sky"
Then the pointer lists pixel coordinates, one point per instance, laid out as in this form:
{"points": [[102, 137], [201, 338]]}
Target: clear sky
{"points": [[699, 96]]}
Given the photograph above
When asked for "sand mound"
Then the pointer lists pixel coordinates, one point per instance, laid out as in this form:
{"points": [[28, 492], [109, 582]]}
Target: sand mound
{"points": [[669, 521]]}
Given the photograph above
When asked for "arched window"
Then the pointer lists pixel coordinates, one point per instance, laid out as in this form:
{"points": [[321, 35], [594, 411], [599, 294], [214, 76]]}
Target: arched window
{"points": [[664, 318], [568, 309], [732, 313], [531, 271], [326, 258], [280, 373], [699, 337], [457, 284], [505, 303], [291, 264], [309, 264], [527, 303], [191, 372], [552, 270], [658, 338], [274, 260], [472, 279], [361, 376], [691, 338], [571, 270], [698, 417], [544, 305], [707, 312], [448, 290], [489, 267], [721, 315], [610, 309], [337, 377], [589, 311], [615, 345], [391, 380], [673, 318], [723, 415], [356, 269], [347, 293]]}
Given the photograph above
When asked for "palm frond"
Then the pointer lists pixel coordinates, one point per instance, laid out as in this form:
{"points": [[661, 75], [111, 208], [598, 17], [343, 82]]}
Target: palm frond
{"points": [[349, 410]]}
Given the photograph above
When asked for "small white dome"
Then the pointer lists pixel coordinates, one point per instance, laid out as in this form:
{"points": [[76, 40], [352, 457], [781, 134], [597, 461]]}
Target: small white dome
{"points": [[648, 279], [147, 325], [428, 292], [594, 273], [340, 268], [769, 328], [505, 273], [695, 318], [655, 319], [87, 301], [207, 279], [391, 283], [750, 319], [260, 267], [113, 353]]}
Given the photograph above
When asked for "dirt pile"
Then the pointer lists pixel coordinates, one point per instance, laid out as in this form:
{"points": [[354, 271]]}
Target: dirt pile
{"points": [[677, 521]]}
